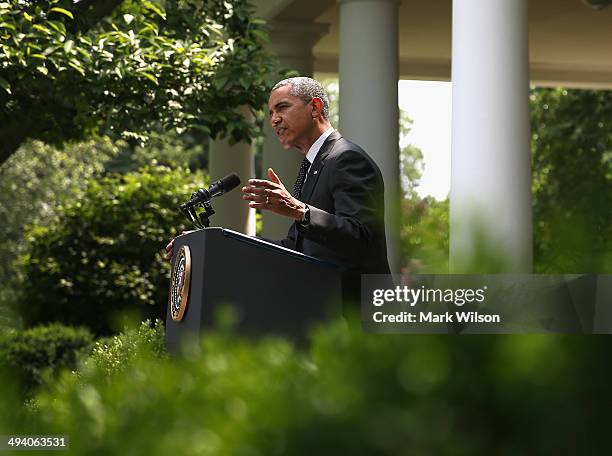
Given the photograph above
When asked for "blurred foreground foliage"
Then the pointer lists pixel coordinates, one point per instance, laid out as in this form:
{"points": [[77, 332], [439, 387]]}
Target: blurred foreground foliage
{"points": [[350, 393], [102, 253]]}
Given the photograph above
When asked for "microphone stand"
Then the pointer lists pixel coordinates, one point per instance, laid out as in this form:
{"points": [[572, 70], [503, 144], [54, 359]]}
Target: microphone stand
{"points": [[200, 220]]}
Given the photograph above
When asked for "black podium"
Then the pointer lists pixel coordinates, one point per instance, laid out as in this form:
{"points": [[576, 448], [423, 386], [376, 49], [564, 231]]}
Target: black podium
{"points": [[271, 289]]}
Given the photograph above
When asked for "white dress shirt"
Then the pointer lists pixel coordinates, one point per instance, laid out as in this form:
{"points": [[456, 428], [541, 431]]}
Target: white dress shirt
{"points": [[314, 149]]}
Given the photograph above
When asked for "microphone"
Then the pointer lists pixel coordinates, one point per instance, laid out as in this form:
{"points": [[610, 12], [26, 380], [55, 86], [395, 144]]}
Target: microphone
{"points": [[217, 188]]}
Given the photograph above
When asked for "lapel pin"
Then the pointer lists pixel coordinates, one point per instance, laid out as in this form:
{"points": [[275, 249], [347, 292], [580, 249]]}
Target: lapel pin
{"points": [[316, 171]]}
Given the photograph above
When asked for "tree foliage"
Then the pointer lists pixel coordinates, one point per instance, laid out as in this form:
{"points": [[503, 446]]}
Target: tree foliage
{"points": [[102, 254], [67, 73], [411, 158], [572, 180], [424, 235]]}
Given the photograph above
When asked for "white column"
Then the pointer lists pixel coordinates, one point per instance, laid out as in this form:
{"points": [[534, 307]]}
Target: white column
{"points": [[490, 199], [292, 43], [368, 73], [231, 211]]}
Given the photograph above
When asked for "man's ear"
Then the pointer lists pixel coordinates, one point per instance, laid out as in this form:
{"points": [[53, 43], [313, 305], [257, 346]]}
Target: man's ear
{"points": [[317, 107]]}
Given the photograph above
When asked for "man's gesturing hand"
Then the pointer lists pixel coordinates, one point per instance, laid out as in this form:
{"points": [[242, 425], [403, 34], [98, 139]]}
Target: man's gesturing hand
{"points": [[272, 195]]}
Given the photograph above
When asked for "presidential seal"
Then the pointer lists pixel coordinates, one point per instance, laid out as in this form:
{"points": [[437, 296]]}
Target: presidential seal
{"points": [[179, 284]]}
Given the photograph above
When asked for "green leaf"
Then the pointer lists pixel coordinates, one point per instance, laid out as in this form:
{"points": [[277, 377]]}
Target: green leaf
{"points": [[149, 76], [49, 50], [263, 36], [156, 9], [203, 128], [58, 27], [7, 25], [78, 68], [42, 29], [68, 46], [128, 18], [43, 70], [84, 53], [5, 85], [220, 83], [62, 11]]}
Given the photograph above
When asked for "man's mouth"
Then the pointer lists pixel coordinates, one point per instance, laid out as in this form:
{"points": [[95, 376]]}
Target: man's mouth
{"points": [[280, 131]]}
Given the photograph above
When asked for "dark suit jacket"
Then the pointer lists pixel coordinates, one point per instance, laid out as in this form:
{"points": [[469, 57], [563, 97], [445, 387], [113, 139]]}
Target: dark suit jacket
{"points": [[345, 192]]}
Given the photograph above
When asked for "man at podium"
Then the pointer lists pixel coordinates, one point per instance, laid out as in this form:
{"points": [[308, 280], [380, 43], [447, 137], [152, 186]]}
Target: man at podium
{"points": [[337, 202]]}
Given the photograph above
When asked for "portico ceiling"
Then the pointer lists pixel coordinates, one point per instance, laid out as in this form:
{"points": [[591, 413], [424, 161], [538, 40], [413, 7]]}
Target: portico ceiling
{"points": [[570, 43]]}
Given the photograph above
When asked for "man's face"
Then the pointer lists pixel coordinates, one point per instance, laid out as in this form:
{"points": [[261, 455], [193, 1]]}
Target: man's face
{"points": [[291, 118]]}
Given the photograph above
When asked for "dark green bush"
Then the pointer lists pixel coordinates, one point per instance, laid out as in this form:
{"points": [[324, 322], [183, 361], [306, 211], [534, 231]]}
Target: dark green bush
{"points": [[33, 182], [39, 353], [102, 255]]}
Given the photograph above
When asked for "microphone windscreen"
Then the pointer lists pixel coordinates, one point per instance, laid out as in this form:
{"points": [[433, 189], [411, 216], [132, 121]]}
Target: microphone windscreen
{"points": [[230, 182]]}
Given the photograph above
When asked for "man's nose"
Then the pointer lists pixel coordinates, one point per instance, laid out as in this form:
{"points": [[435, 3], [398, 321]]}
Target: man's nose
{"points": [[275, 119]]}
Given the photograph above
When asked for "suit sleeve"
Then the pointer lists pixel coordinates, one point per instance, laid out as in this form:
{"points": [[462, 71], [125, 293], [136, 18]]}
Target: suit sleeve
{"points": [[357, 190], [288, 241]]}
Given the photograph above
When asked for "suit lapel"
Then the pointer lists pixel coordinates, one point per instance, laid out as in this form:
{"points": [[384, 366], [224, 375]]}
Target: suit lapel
{"points": [[315, 170]]}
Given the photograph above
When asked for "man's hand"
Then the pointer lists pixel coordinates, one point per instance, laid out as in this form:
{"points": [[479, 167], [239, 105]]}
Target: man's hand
{"points": [[170, 246], [168, 254], [272, 195]]}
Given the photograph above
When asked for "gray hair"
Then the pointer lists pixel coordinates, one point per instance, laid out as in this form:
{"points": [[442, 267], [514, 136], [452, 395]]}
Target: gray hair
{"points": [[305, 89]]}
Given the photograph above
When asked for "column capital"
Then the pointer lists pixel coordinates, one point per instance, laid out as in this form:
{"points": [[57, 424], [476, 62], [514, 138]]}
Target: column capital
{"points": [[295, 38], [368, 1]]}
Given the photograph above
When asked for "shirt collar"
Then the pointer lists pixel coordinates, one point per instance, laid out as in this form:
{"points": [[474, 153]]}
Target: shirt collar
{"points": [[316, 146]]}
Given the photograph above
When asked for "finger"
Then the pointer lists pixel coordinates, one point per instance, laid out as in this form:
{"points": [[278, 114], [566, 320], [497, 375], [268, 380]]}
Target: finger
{"points": [[258, 205], [169, 246], [257, 198], [254, 190], [273, 176], [263, 183]]}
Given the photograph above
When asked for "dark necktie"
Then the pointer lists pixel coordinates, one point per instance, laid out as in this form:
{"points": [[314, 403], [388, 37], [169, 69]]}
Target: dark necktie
{"points": [[297, 188]]}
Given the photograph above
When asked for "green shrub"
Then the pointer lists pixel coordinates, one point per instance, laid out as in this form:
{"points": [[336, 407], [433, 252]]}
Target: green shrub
{"points": [[39, 353], [115, 354], [102, 255], [33, 183], [352, 393]]}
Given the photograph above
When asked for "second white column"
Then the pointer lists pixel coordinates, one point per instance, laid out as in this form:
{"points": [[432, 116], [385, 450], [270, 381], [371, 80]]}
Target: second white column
{"points": [[369, 73], [490, 199]]}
